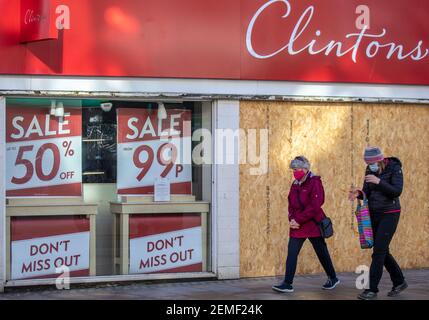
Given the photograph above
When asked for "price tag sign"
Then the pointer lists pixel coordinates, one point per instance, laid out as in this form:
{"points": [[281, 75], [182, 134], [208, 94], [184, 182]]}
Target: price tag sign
{"points": [[150, 148], [162, 190], [43, 153]]}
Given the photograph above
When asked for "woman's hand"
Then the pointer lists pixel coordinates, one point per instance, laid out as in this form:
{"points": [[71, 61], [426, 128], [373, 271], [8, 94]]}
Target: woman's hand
{"points": [[372, 179], [294, 224], [353, 194]]}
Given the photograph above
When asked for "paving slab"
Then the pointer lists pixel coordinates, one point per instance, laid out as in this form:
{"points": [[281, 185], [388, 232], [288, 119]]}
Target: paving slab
{"points": [[306, 288]]}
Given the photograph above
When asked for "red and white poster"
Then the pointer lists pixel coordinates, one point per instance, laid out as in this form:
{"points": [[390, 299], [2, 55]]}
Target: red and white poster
{"points": [[150, 148], [43, 153], [40, 245], [165, 243]]}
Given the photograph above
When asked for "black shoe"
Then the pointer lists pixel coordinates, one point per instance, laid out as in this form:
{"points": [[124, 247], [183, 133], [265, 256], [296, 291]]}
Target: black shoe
{"points": [[367, 295], [398, 289], [284, 288], [331, 284]]}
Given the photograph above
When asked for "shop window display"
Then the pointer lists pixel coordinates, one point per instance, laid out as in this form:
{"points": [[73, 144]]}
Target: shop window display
{"points": [[141, 209]]}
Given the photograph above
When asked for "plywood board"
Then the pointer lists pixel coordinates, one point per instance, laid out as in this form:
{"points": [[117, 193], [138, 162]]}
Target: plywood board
{"points": [[401, 131], [254, 239], [332, 136]]}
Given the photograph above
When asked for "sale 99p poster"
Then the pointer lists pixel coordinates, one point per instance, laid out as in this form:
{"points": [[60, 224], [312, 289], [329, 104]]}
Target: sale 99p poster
{"points": [[43, 153], [150, 147]]}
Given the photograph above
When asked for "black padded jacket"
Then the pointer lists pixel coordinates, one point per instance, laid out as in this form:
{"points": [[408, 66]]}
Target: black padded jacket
{"points": [[384, 197]]}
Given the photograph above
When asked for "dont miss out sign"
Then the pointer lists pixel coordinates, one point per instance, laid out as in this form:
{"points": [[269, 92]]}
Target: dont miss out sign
{"points": [[167, 243], [43, 153], [41, 247], [150, 148]]}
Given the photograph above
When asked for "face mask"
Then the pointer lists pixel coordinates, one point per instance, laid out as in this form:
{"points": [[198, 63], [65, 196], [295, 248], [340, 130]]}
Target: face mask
{"points": [[374, 167], [298, 175]]}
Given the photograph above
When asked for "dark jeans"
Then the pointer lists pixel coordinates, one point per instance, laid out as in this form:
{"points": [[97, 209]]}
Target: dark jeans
{"points": [[319, 245], [384, 227]]}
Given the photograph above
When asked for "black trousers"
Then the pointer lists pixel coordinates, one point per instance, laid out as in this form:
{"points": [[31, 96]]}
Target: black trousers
{"points": [[384, 226], [319, 245]]}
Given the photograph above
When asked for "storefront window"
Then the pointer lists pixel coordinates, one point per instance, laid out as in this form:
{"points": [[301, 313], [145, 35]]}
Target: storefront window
{"points": [[99, 187], [99, 143]]}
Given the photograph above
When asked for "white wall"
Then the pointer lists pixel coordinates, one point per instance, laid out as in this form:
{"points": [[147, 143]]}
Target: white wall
{"points": [[227, 201]]}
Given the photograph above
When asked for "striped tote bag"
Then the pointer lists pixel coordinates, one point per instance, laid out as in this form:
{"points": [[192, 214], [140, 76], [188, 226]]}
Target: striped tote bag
{"points": [[366, 237]]}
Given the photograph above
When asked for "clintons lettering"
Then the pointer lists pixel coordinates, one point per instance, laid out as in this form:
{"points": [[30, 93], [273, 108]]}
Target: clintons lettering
{"points": [[32, 17], [371, 44]]}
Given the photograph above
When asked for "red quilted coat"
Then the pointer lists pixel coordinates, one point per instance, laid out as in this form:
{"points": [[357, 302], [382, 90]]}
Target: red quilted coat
{"points": [[305, 204]]}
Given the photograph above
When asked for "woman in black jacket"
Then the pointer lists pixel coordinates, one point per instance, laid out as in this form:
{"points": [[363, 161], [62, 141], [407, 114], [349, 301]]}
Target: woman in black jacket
{"points": [[383, 185]]}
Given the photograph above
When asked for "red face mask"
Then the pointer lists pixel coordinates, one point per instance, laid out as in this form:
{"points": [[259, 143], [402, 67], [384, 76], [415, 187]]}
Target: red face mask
{"points": [[299, 174]]}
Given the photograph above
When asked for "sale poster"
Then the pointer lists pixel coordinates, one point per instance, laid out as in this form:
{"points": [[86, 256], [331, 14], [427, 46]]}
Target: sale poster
{"points": [[43, 153], [150, 148], [167, 243], [48, 247]]}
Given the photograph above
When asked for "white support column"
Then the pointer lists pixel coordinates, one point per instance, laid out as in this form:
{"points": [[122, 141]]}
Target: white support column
{"points": [[227, 197], [2, 193]]}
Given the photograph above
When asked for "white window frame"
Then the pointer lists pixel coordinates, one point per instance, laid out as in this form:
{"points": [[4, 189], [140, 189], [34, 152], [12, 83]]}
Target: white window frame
{"points": [[2, 193]]}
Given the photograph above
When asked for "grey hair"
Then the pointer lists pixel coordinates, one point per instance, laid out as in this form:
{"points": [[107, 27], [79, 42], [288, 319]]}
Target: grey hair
{"points": [[300, 162]]}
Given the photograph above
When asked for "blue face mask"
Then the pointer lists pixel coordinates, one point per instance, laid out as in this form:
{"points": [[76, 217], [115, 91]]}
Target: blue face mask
{"points": [[374, 167]]}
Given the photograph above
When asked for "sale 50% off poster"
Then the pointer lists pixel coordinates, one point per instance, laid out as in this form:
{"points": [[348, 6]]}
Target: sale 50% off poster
{"points": [[43, 153]]}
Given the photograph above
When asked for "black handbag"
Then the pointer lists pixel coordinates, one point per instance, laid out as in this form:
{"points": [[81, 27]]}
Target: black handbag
{"points": [[325, 225]]}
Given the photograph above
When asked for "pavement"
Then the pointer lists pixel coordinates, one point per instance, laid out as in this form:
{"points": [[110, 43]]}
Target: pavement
{"points": [[306, 288]]}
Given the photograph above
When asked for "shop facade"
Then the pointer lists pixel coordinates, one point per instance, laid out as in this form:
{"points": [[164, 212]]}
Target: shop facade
{"points": [[98, 229], [171, 161]]}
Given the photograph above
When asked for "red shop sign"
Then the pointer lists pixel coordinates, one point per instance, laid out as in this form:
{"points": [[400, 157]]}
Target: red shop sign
{"points": [[293, 40], [37, 21]]}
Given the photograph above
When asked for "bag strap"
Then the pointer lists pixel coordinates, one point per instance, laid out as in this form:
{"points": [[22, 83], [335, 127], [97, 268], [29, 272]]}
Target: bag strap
{"points": [[363, 196]]}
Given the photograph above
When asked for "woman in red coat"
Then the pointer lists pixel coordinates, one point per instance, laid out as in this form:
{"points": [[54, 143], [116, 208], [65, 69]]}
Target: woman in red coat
{"points": [[306, 198]]}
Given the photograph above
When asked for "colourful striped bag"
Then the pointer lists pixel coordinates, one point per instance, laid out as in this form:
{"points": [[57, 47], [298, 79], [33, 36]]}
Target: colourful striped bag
{"points": [[366, 237]]}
